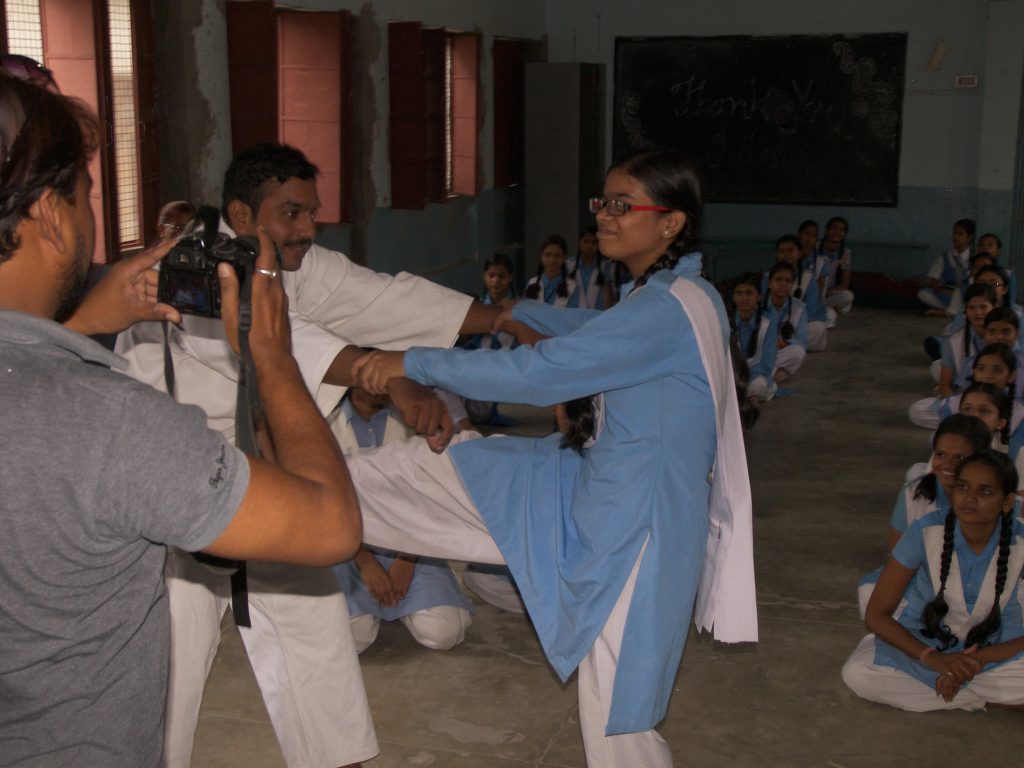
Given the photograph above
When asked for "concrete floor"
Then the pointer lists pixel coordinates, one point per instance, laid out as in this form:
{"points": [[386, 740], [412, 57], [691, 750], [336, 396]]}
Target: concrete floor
{"points": [[826, 464]]}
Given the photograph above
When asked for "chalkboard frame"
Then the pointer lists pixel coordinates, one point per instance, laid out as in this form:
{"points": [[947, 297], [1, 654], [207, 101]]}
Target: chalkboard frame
{"points": [[844, 143]]}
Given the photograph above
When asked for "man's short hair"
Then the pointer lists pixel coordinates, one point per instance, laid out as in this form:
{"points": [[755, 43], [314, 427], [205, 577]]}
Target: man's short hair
{"points": [[46, 140], [252, 168]]}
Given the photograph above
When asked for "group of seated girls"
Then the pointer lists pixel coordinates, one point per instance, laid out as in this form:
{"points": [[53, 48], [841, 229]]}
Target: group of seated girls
{"points": [[981, 345], [945, 611], [784, 313], [955, 270]]}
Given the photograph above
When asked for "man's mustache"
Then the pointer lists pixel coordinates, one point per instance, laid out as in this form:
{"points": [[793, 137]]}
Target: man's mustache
{"points": [[307, 242]]}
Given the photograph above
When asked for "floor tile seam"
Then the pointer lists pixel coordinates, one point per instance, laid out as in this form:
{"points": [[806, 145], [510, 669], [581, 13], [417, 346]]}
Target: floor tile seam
{"points": [[818, 622]]}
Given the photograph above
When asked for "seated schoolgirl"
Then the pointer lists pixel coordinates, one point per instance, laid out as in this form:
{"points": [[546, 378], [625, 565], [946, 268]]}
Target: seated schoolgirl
{"points": [[805, 288], [995, 364], [381, 585], [998, 279], [552, 283], [929, 483], [789, 318], [979, 300], [1002, 328], [810, 259], [992, 245], [1003, 416], [588, 269], [950, 270], [838, 296], [498, 272], [756, 336], [958, 643]]}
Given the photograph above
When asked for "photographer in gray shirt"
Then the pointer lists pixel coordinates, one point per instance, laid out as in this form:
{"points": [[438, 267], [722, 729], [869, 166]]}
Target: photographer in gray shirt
{"points": [[100, 471]]}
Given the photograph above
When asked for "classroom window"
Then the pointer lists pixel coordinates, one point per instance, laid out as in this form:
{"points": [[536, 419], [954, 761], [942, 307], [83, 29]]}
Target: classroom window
{"points": [[433, 87], [63, 35], [124, 119], [24, 28]]}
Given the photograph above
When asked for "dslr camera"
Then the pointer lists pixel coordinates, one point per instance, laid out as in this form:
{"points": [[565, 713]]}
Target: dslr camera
{"points": [[188, 274]]}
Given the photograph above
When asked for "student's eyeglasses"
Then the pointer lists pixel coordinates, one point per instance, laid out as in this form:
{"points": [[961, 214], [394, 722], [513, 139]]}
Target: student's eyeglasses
{"points": [[620, 207]]}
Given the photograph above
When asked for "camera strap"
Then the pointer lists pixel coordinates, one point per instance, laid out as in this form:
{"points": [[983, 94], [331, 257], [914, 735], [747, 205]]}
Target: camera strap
{"points": [[246, 405]]}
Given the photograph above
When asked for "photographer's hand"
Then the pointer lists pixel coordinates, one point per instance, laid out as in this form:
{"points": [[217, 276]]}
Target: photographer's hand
{"points": [[124, 297], [270, 332]]}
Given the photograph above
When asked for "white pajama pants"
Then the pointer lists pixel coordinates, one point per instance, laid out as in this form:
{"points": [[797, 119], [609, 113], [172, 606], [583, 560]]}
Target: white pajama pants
{"points": [[444, 523], [923, 413], [439, 628], [887, 685], [301, 650], [817, 336], [840, 300], [790, 358]]}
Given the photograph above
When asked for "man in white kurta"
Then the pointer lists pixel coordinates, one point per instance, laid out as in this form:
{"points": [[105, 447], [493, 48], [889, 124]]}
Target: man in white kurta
{"points": [[300, 645]]}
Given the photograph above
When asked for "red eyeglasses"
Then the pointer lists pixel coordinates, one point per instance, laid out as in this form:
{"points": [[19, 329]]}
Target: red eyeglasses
{"points": [[620, 207]]}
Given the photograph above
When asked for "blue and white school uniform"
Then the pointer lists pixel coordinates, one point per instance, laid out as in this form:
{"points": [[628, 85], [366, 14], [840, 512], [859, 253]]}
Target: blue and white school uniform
{"points": [[909, 507], [806, 288], [434, 610], [486, 411], [758, 333], [583, 534], [589, 291], [836, 299], [879, 672], [953, 355], [790, 357], [962, 380], [549, 291], [952, 269]]}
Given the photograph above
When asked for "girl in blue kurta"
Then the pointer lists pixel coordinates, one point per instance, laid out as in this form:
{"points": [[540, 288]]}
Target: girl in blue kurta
{"points": [[608, 547], [552, 283], [959, 642]]}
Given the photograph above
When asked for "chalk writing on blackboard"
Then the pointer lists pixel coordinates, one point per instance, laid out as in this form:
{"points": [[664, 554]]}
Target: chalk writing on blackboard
{"points": [[779, 119]]}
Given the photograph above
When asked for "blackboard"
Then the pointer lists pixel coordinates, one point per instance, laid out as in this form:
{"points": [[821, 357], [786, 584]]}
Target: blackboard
{"points": [[794, 119]]}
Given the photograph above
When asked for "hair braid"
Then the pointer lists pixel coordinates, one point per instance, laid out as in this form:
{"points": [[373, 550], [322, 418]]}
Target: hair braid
{"points": [[990, 624], [937, 609], [667, 260]]}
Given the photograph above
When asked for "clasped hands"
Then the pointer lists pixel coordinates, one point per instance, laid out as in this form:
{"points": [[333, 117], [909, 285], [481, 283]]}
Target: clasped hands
{"points": [[955, 669]]}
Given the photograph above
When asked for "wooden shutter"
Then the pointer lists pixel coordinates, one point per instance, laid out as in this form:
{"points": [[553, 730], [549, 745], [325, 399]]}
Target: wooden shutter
{"points": [[508, 70], [465, 113], [434, 84], [408, 110], [252, 72], [312, 49]]}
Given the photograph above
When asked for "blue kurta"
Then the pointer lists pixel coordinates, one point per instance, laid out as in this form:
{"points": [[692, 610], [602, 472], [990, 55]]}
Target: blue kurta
{"points": [[912, 552], [571, 528]]}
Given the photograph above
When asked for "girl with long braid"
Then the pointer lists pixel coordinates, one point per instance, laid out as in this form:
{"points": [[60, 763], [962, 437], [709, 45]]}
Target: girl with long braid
{"points": [[959, 642], [552, 283], [611, 546]]}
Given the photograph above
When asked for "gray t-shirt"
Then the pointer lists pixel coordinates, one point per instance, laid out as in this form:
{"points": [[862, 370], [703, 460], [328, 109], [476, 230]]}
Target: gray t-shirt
{"points": [[97, 473]]}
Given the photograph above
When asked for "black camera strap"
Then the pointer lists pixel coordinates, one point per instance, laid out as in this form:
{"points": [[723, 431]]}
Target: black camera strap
{"points": [[247, 405]]}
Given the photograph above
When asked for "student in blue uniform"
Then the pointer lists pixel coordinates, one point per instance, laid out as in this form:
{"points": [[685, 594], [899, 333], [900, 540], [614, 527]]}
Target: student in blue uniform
{"points": [[979, 300], [756, 336], [552, 283], [789, 316], [382, 585], [837, 295], [930, 483], [959, 641], [611, 545], [805, 288], [950, 271], [588, 269]]}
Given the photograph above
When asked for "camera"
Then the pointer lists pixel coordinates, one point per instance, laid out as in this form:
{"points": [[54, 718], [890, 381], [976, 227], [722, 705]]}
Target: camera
{"points": [[188, 273]]}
